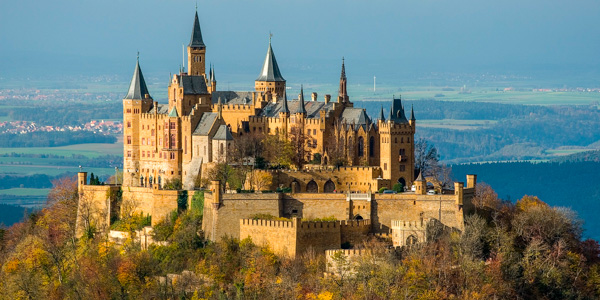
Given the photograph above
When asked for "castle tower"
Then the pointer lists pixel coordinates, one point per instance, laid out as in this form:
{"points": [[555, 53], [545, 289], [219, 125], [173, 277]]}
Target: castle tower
{"points": [[213, 80], [196, 51], [136, 102], [343, 92], [420, 185], [396, 149], [270, 79]]}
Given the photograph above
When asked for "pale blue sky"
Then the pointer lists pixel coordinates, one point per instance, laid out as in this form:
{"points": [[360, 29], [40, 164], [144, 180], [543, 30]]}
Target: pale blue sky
{"points": [[310, 36]]}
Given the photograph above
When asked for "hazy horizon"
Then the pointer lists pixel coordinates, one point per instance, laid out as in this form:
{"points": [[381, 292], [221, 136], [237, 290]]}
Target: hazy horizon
{"points": [[389, 39]]}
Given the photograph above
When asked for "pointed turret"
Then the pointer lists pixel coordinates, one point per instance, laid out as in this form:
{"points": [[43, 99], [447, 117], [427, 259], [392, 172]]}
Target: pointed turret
{"points": [[137, 88], [412, 114], [196, 40], [301, 109], [210, 75], [284, 105], [343, 92], [213, 77], [173, 113], [420, 177], [397, 112], [270, 70], [381, 116]]}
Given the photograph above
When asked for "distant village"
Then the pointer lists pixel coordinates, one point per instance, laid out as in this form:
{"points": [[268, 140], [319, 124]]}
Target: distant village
{"points": [[99, 127]]}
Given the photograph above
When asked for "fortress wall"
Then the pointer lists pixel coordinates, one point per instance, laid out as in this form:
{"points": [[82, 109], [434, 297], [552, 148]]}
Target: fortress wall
{"points": [[319, 236], [94, 207], [310, 206], [355, 231], [279, 236], [411, 207], [240, 206], [140, 199], [164, 202]]}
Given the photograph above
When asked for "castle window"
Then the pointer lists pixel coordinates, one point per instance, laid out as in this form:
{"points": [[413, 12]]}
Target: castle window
{"points": [[408, 140], [152, 132], [402, 152], [128, 140], [402, 168], [314, 131], [385, 166], [160, 141], [172, 140], [129, 110], [172, 155], [143, 154], [221, 149], [395, 140], [128, 124], [361, 147], [401, 140], [128, 153], [185, 145], [143, 141], [372, 147], [172, 125]]}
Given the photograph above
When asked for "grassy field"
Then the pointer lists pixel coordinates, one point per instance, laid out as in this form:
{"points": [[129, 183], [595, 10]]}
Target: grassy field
{"points": [[25, 192], [456, 124], [89, 150]]}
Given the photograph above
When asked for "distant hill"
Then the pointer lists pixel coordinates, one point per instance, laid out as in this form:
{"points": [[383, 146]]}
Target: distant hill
{"points": [[10, 214], [573, 184], [592, 155]]}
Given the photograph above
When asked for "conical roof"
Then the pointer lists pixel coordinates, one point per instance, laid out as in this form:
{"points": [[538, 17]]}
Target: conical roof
{"points": [[381, 116], [137, 87], [420, 177], [301, 109], [412, 113], [270, 70], [284, 105], [173, 113], [196, 40]]}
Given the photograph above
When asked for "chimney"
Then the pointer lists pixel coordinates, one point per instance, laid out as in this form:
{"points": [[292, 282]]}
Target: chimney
{"points": [[327, 98], [313, 96]]}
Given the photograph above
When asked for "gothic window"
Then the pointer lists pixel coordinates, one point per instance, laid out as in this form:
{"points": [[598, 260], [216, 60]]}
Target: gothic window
{"points": [[221, 150], [402, 152], [372, 147], [329, 187], [314, 131], [141, 180], [172, 140], [312, 187], [128, 140], [411, 240], [361, 147]]}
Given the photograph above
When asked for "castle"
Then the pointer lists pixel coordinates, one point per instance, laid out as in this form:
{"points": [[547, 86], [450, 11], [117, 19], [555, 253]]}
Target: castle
{"points": [[200, 125]]}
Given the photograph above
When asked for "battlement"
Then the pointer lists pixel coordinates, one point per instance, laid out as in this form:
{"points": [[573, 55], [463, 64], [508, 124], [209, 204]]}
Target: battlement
{"points": [[319, 224], [355, 223], [348, 252], [410, 225], [268, 223]]}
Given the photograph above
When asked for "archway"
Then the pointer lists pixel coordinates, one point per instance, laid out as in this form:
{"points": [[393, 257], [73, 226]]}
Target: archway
{"points": [[325, 160], [402, 181], [312, 187], [358, 217], [411, 240], [329, 187]]}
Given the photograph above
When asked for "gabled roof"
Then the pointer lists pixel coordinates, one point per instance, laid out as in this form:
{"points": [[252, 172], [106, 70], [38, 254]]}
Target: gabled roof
{"points": [[206, 123], [356, 116], [312, 108], [192, 85], [160, 109], [173, 113], [270, 69], [196, 40], [231, 97], [137, 87], [223, 134]]}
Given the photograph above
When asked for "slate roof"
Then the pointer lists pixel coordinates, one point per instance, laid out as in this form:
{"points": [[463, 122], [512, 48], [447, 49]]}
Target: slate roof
{"points": [[270, 70], [206, 123], [223, 133], [300, 108], [420, 177], [356, 116], [196, 40], [193, 85], [137, 87], [397, 112], [231, 97], [412, 113], [312, 108], [381, 116], [162, 109], [173, 112]]}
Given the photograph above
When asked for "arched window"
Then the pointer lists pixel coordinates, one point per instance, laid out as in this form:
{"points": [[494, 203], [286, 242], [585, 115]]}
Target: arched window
{"points": [[411, 240], [221, 151], [329, 187], [312, 187], [372, 146], [361, 147]]}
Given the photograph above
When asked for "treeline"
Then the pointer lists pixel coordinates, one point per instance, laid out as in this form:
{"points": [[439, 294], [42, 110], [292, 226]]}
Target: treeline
{"points": [[524, 251], [66, 113], [38, 181], [53, 139], [10, 214], [104, 161], [569, 184]]}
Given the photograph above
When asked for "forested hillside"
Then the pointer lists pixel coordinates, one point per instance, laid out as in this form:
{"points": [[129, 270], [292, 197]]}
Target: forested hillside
{"points": [[506, 251]]}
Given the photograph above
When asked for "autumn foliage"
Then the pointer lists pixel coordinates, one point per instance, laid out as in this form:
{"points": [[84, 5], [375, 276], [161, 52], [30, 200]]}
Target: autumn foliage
{"points": [[526, 250]]}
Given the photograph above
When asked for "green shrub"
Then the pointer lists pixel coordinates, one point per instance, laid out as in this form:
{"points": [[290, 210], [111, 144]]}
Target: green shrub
{"points": [[382, 189], [398, 188]]}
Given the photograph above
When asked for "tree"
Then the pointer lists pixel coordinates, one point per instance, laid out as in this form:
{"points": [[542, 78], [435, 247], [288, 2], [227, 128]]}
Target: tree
{"points": [[221, 172], [485, 196], [426, 157], [299, 140], [278, 150], [261, 181], [173, 184]]}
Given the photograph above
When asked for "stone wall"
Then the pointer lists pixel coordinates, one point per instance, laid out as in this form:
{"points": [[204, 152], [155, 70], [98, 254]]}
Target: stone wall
{"points": [[355, 232], [318, 236], [279, 236]]}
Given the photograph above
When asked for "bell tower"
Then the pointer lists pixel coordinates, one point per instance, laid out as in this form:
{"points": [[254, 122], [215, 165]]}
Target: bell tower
{"points": [[196, 51]]}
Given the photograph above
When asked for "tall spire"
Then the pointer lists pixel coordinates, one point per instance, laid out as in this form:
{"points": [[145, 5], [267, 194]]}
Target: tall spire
{"points": [[270, 70], [381, 116], [210, 76], [284, 108], [343, 92], [213, 77], [137, 88], [412, 113], [301, 109], [196, 40]]}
